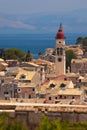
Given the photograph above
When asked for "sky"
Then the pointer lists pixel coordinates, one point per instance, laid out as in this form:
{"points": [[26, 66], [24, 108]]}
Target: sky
{"points": [[76, 9], [40, 6]]}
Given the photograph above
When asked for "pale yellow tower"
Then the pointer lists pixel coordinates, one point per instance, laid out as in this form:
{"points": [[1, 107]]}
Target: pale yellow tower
{"points": [[60, 59]]}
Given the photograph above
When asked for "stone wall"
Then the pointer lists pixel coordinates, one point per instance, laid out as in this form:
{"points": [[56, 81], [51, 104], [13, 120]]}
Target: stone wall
{"points": [[30, 114]]}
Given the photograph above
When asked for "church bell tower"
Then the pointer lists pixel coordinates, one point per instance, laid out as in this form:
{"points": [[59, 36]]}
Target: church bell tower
{"points": [[60, 59]]}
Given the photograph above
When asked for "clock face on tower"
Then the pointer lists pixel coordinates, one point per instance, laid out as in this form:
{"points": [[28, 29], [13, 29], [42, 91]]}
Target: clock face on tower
{"points": [[59, 59]]}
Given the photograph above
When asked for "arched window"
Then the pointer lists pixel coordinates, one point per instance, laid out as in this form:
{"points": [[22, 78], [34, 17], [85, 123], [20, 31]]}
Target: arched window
{"points": [[58, 51], [61, 51]]}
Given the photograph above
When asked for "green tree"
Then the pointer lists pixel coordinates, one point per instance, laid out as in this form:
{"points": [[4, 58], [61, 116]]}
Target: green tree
{"points": [[1, 53], [70, 54], [14, 53], [16, 125], [7, 124], [79, 40], [3, 117], [56, 125], [46, 124], [82, 41]]}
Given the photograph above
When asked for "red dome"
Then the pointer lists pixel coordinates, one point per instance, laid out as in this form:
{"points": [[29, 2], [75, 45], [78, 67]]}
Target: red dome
{"points": [[60, 34]]}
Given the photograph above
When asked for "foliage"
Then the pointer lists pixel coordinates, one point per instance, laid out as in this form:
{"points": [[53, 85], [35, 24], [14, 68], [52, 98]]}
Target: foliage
{"points": [[16, 54], [46, 124], [7, 124], [70, 54], [16, 125], [82, 41], [79, 40], [1, 52], [3, 117]]}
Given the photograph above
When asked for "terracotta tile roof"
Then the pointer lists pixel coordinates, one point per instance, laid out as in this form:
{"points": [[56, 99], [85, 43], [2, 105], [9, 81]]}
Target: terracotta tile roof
{"points": [[46, 86]]}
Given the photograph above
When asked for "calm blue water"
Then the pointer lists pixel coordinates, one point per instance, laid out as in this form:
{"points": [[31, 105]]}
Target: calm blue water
{"points": [[33, 42]]}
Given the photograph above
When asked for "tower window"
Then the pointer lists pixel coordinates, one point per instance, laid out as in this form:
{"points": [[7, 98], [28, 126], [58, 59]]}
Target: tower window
{"points": [[61, 51], [58, 51], [59, 59]]}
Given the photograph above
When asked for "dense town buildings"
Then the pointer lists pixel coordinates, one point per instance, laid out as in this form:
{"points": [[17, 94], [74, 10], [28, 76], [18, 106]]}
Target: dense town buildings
{"points": [[46, 79]]}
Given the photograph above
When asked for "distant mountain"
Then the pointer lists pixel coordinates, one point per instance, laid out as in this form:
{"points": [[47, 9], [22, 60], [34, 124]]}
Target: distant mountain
{"points": [[73, 22]]}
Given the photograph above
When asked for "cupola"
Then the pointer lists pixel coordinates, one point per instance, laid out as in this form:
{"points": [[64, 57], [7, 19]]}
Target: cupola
{"points": [[60, 33]]}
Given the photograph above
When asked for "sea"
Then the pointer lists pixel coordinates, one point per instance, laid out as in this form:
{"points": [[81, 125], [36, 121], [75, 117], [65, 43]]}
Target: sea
{"points": [[34, 42]]}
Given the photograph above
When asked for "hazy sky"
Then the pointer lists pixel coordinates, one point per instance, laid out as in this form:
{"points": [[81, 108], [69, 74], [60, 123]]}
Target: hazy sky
{"points": [[40, 6], [72, 13]]}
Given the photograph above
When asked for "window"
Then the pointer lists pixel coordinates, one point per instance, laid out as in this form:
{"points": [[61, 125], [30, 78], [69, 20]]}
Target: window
{"points": [[2, 81], [33, 89], [52, 85], [5, 92], [58, 51], [22, 76], [18, 90], [73, 97], [64, 97], [62, 85], [55, 97], [60, 96], [29, 81], [59, 59], [79, 80], [61, 51], [65, 78], [49, 98], [29, 96], [6, 98]]}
